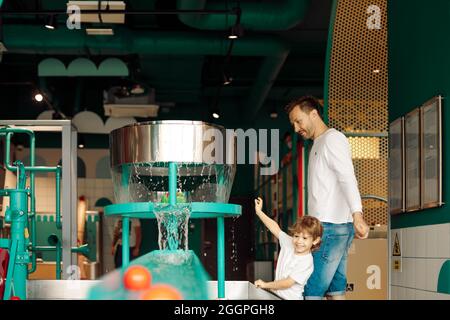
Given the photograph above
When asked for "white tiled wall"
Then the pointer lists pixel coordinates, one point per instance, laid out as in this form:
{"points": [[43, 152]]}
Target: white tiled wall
{"points": [[94, 189], [45, 191], [424, 251]]}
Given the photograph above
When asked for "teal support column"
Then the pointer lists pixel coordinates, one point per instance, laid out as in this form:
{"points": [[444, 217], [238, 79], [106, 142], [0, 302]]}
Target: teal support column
{"points": [[172, 220], [221, 257], [125, 223], [10, 274], [58, 261], [125, 242], [32, 213], [58, 197], [172, 183], [19, 254]]}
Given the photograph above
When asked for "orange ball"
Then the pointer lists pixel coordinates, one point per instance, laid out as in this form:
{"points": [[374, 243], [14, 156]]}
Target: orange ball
{"points": [[162, 292], [137, 278]]}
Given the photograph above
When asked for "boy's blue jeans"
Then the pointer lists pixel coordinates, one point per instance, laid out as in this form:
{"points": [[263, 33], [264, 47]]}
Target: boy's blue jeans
{"points": [[330, 262]]}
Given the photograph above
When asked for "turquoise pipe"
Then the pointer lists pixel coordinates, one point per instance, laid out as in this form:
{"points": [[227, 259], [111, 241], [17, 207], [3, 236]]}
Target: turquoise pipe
{"points": [[9, 132], [125, 242], [54, 241], [58, 261], [221, 257], [172, 183], [84, 249], [275, 15], [125, 222], [32, 213], [36, 40], [21, 175], [58, 198], [18, 268]]}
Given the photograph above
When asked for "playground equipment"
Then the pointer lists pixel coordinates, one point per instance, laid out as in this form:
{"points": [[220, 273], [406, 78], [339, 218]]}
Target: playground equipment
{"points": [[21, 245], [177, 162]]}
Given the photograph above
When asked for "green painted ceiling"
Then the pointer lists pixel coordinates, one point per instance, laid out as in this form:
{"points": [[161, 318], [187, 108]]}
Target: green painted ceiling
{"points": [[280, 57]]}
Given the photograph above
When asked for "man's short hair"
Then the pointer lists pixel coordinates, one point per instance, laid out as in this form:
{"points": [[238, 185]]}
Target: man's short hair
{"points": [[306, 104]]}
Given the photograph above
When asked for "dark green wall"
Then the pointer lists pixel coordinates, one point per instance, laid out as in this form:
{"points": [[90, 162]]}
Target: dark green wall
{"points": [[419, 68]]}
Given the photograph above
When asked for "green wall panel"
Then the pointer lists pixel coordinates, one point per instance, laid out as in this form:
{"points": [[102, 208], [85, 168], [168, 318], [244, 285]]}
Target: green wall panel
{"points": [[419, 68], [444, 278]]}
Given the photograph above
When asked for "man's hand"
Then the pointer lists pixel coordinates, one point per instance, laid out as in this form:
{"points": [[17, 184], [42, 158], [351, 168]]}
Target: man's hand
{"points": [[135, 252], [113, 250], [258, 205], [361, 227], [259, 283]]}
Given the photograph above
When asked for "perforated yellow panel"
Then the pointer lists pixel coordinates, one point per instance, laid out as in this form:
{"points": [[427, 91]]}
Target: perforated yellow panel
{"points": [[358, 93]]}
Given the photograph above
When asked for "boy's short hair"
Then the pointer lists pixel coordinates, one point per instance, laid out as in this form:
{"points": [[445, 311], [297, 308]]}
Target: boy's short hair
{"points": [[306, 104], [310, 225]]}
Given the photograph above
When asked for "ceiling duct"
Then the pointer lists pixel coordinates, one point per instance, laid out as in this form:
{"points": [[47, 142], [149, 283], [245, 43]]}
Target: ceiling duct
{"points": [[121, 101], [32, 39]]}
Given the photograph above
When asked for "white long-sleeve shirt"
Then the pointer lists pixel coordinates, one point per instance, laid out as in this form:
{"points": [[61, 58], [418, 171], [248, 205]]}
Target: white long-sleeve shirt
{"points": [[333, 194]]}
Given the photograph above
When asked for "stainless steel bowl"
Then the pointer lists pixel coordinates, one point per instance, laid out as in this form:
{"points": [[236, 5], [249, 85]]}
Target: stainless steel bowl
{"points": [[140, 154], [165, 141]]}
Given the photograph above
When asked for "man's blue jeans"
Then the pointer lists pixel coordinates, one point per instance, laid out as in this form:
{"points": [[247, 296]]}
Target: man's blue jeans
{"points": [[330, 262]]}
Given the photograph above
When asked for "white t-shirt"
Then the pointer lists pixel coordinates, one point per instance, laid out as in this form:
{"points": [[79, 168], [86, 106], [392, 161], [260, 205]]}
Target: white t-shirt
{"points": [[333, 194], [133, 224], [298, 267]]}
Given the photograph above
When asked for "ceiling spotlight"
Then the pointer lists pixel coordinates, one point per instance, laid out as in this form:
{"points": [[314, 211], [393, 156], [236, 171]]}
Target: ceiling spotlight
{"points": [[376, 71], [38, 97], [226, 79], [51, 22], [80, 142], [274, 114], [215, 115], [237, 31]]}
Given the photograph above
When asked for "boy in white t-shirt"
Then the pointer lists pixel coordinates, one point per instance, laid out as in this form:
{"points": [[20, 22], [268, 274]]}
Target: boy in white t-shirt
{"points": [[295, 262]]}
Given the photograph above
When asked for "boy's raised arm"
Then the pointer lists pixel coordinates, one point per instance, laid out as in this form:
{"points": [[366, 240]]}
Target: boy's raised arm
{"points": [[268, 222]]}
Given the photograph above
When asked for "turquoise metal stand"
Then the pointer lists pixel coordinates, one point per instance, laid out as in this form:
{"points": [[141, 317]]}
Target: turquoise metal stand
{"points": [[18, 263], [199, 210], [22, 220]]}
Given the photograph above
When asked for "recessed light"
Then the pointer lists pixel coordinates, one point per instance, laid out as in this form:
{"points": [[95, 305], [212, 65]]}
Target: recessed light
{"points": [[215, 115], [38, 97]]}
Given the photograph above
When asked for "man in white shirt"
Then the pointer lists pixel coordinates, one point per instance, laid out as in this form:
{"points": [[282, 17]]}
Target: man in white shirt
{"points": [[333, 198], [134, 241]]}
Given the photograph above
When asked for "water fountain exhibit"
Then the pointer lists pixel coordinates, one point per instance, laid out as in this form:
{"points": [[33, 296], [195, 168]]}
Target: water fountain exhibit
{"points": [[171, 171]]}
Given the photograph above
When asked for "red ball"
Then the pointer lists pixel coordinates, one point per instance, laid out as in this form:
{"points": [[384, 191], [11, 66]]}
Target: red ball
{"points": [[137, 278], [161, 292], [15, 298]]}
